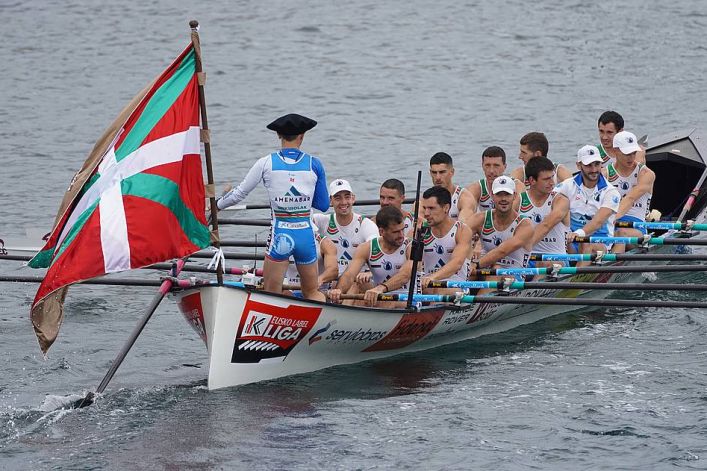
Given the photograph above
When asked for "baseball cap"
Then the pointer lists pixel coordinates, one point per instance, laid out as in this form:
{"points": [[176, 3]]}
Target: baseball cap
{"points": [[588, 154], [626, 142], [339, 185], [503, 183]]}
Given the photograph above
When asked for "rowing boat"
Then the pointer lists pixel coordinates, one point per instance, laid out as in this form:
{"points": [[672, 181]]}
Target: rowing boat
{"points": [[254, 336]]}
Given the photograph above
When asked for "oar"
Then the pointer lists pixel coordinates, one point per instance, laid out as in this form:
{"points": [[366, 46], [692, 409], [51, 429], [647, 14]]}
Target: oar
{"points": [[640, 240], [165, 286], [166, 266], [592, 269], [242, 207], [612, 257], [661, 226], [567, 285], [468, 299]]}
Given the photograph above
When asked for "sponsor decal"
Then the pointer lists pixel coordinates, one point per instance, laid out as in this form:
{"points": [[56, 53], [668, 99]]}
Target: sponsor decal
{"points": [[267, 331], [483, 311], [410, 328], [194, 313], [317, 336], [353, 336]]}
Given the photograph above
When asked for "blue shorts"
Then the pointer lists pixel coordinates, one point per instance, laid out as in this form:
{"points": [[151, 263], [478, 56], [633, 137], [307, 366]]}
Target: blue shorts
{"points": [[292, 238], [634, 219]]}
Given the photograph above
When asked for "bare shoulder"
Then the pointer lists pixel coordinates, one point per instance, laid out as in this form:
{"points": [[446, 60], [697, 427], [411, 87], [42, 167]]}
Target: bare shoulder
{"points": [[518, 173]]}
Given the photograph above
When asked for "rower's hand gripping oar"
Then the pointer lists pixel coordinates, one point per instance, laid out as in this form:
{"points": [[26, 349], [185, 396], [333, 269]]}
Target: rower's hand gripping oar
{"points": [[159, 296], [418, 246]]}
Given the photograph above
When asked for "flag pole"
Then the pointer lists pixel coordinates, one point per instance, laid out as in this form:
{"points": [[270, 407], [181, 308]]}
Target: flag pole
{"points": [[206, 139]]}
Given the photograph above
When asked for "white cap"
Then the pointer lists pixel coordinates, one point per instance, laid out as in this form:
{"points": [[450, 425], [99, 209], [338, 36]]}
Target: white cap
{"points": [[626, 142], [503, 183], [339, 185], [588, 154]]}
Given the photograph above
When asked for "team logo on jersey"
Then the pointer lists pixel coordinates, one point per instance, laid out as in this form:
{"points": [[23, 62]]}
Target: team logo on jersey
{"points": [[387, 265], [597, 197], [615, 200], [345, 243], [283, 244], [496, 240], [625, 186], [439, 249], [537, 218]]}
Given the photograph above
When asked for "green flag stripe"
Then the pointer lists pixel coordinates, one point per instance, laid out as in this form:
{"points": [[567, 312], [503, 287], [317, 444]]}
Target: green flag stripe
{"points": [[165, 192], [159, 103], [77, 227]]}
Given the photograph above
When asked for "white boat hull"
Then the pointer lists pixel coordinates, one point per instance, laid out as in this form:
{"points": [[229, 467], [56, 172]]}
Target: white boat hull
{"points": [[254, 336]]}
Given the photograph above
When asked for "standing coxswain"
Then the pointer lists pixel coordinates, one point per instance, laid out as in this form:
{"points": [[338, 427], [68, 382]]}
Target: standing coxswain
{"points": [[295, 182]]}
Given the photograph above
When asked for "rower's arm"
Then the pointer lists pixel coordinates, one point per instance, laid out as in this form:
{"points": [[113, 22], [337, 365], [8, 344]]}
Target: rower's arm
{"points": [[644, 185], [518, 173], [251, 180], [320, 199], [520, 188], [598, 220], [467, 206], [475, 190], [331, 264], [522, 236], [558, 213], [359, 260], [459, 254], [563, 173]]}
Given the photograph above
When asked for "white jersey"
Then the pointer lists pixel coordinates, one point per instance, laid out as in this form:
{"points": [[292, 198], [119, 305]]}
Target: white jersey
{"points": [[492, 238], [346, 238], [454, 207], [625, 184], [554, 241], [586, 202], [438, 252], [386, 265]]}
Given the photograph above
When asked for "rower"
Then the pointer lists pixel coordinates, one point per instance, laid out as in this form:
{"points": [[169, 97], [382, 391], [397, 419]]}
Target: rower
{"points": [[295, 182], [634, 182], [547, 210], [327, 264], [392, 193], [387, 257], [506, 237], [610, 123], [442, 171], [493, 164], [346, 228], [593, 201], [535, 144], [446, 242]]}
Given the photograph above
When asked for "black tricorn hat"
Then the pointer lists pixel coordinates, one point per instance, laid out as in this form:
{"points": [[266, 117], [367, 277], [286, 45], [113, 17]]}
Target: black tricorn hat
{"points": [[292, 124]]}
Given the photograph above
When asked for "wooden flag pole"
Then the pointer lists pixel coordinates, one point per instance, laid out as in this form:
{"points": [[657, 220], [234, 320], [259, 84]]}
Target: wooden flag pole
{"points": [[206, 139]]}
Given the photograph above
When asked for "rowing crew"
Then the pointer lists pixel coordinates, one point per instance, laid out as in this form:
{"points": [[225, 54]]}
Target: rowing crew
{"points": [[463, 227]]}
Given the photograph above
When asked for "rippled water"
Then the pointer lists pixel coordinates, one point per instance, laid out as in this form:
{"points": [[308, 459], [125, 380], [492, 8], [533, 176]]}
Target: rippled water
{"points": [[390, 83]]}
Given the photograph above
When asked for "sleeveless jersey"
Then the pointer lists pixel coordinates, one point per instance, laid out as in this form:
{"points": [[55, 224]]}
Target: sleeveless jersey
{"points": [[605, 158], [383, 265], [454, 207], [625, 184], [554, 241], [485, 201], [346, 238], [438, 251], [586, 202], [492, 238]]}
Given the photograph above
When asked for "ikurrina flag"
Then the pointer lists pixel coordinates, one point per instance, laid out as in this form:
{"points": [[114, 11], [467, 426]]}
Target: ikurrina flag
{"points": [[137, 200]]}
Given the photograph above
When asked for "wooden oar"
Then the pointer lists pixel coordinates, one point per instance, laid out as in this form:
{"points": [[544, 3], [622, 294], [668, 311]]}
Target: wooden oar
{"points": [[165, 286], [611, 257], [536, 301]]}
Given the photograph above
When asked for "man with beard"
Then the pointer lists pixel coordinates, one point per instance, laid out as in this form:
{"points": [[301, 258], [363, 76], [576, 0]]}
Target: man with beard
{"points": [[387, 257], [593, 201]]}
